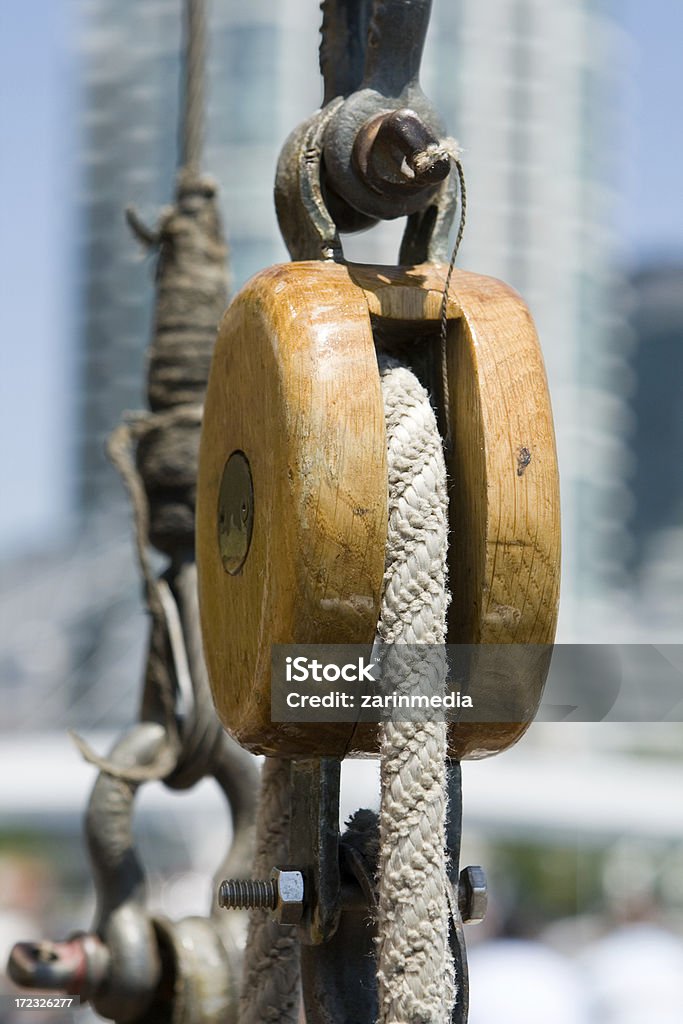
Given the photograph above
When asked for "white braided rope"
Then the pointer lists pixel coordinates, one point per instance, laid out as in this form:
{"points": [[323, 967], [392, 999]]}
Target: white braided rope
{"points": [[415, 966], [270, 981]]}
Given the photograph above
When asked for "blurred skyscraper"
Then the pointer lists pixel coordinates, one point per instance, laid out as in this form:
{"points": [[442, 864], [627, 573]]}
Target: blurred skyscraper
{"points": [[657, 519], [534, 91], [657, 321]]}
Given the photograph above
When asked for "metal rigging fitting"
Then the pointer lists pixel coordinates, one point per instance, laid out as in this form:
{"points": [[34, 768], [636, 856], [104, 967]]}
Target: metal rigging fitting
{"points": [[282, 894], [377, 149], [334, 900], [472, 894], [383, 150], [134, 964], [117, 966]]}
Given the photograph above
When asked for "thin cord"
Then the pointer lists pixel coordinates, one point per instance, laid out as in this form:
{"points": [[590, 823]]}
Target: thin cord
{"points": [[448, 439], [192, 99]]}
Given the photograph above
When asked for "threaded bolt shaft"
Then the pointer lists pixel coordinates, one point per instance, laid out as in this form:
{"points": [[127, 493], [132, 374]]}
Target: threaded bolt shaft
{"points": [[247, 894]]}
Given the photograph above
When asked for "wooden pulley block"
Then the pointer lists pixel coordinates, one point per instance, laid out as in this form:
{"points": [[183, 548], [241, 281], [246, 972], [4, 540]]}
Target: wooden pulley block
{"points": [[292, 486]]}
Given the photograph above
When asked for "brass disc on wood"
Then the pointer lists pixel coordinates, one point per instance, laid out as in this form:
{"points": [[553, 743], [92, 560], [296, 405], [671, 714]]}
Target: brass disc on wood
{"points": [[294, 391], [294, 388]]}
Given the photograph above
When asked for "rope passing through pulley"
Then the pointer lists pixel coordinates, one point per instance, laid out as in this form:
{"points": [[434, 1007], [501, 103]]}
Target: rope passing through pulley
{"points": [[414, 962], [335, 507]]}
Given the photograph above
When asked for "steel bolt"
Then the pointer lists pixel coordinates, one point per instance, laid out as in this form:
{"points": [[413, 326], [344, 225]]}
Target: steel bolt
{"points": [[472, 894], [282, 894], [243, 894]]}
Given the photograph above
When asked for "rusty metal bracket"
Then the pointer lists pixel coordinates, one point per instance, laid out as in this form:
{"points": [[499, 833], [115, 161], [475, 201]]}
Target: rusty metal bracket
{"points": [[339, 973], [338, 965], [314, 844], [338, 977], [306, 224], [376, 153], [457, 932]]}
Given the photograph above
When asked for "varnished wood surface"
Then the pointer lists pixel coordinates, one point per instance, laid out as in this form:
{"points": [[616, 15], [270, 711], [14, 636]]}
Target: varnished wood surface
{"points": [[294, 384], [504, 552], [504, 488]]}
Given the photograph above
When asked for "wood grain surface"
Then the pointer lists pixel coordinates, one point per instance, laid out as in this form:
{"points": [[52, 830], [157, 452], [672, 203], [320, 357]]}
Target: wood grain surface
{"points": [[294, 384]]}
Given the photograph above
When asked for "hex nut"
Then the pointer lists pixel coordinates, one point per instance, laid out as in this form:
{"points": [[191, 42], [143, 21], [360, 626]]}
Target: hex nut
{"points": [[289, 886], [472, 894]]}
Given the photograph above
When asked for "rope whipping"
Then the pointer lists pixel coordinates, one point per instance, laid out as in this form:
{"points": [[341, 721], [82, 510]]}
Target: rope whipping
{"points": [[415, 966]]}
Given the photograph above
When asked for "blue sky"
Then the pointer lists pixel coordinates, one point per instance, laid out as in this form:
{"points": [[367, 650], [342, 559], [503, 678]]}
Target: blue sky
{"points": [[37, 80], [652, 218], [36, 356]]}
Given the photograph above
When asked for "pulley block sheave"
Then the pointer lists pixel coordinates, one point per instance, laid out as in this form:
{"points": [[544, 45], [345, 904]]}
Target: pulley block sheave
{"points": [[292, 486]]}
